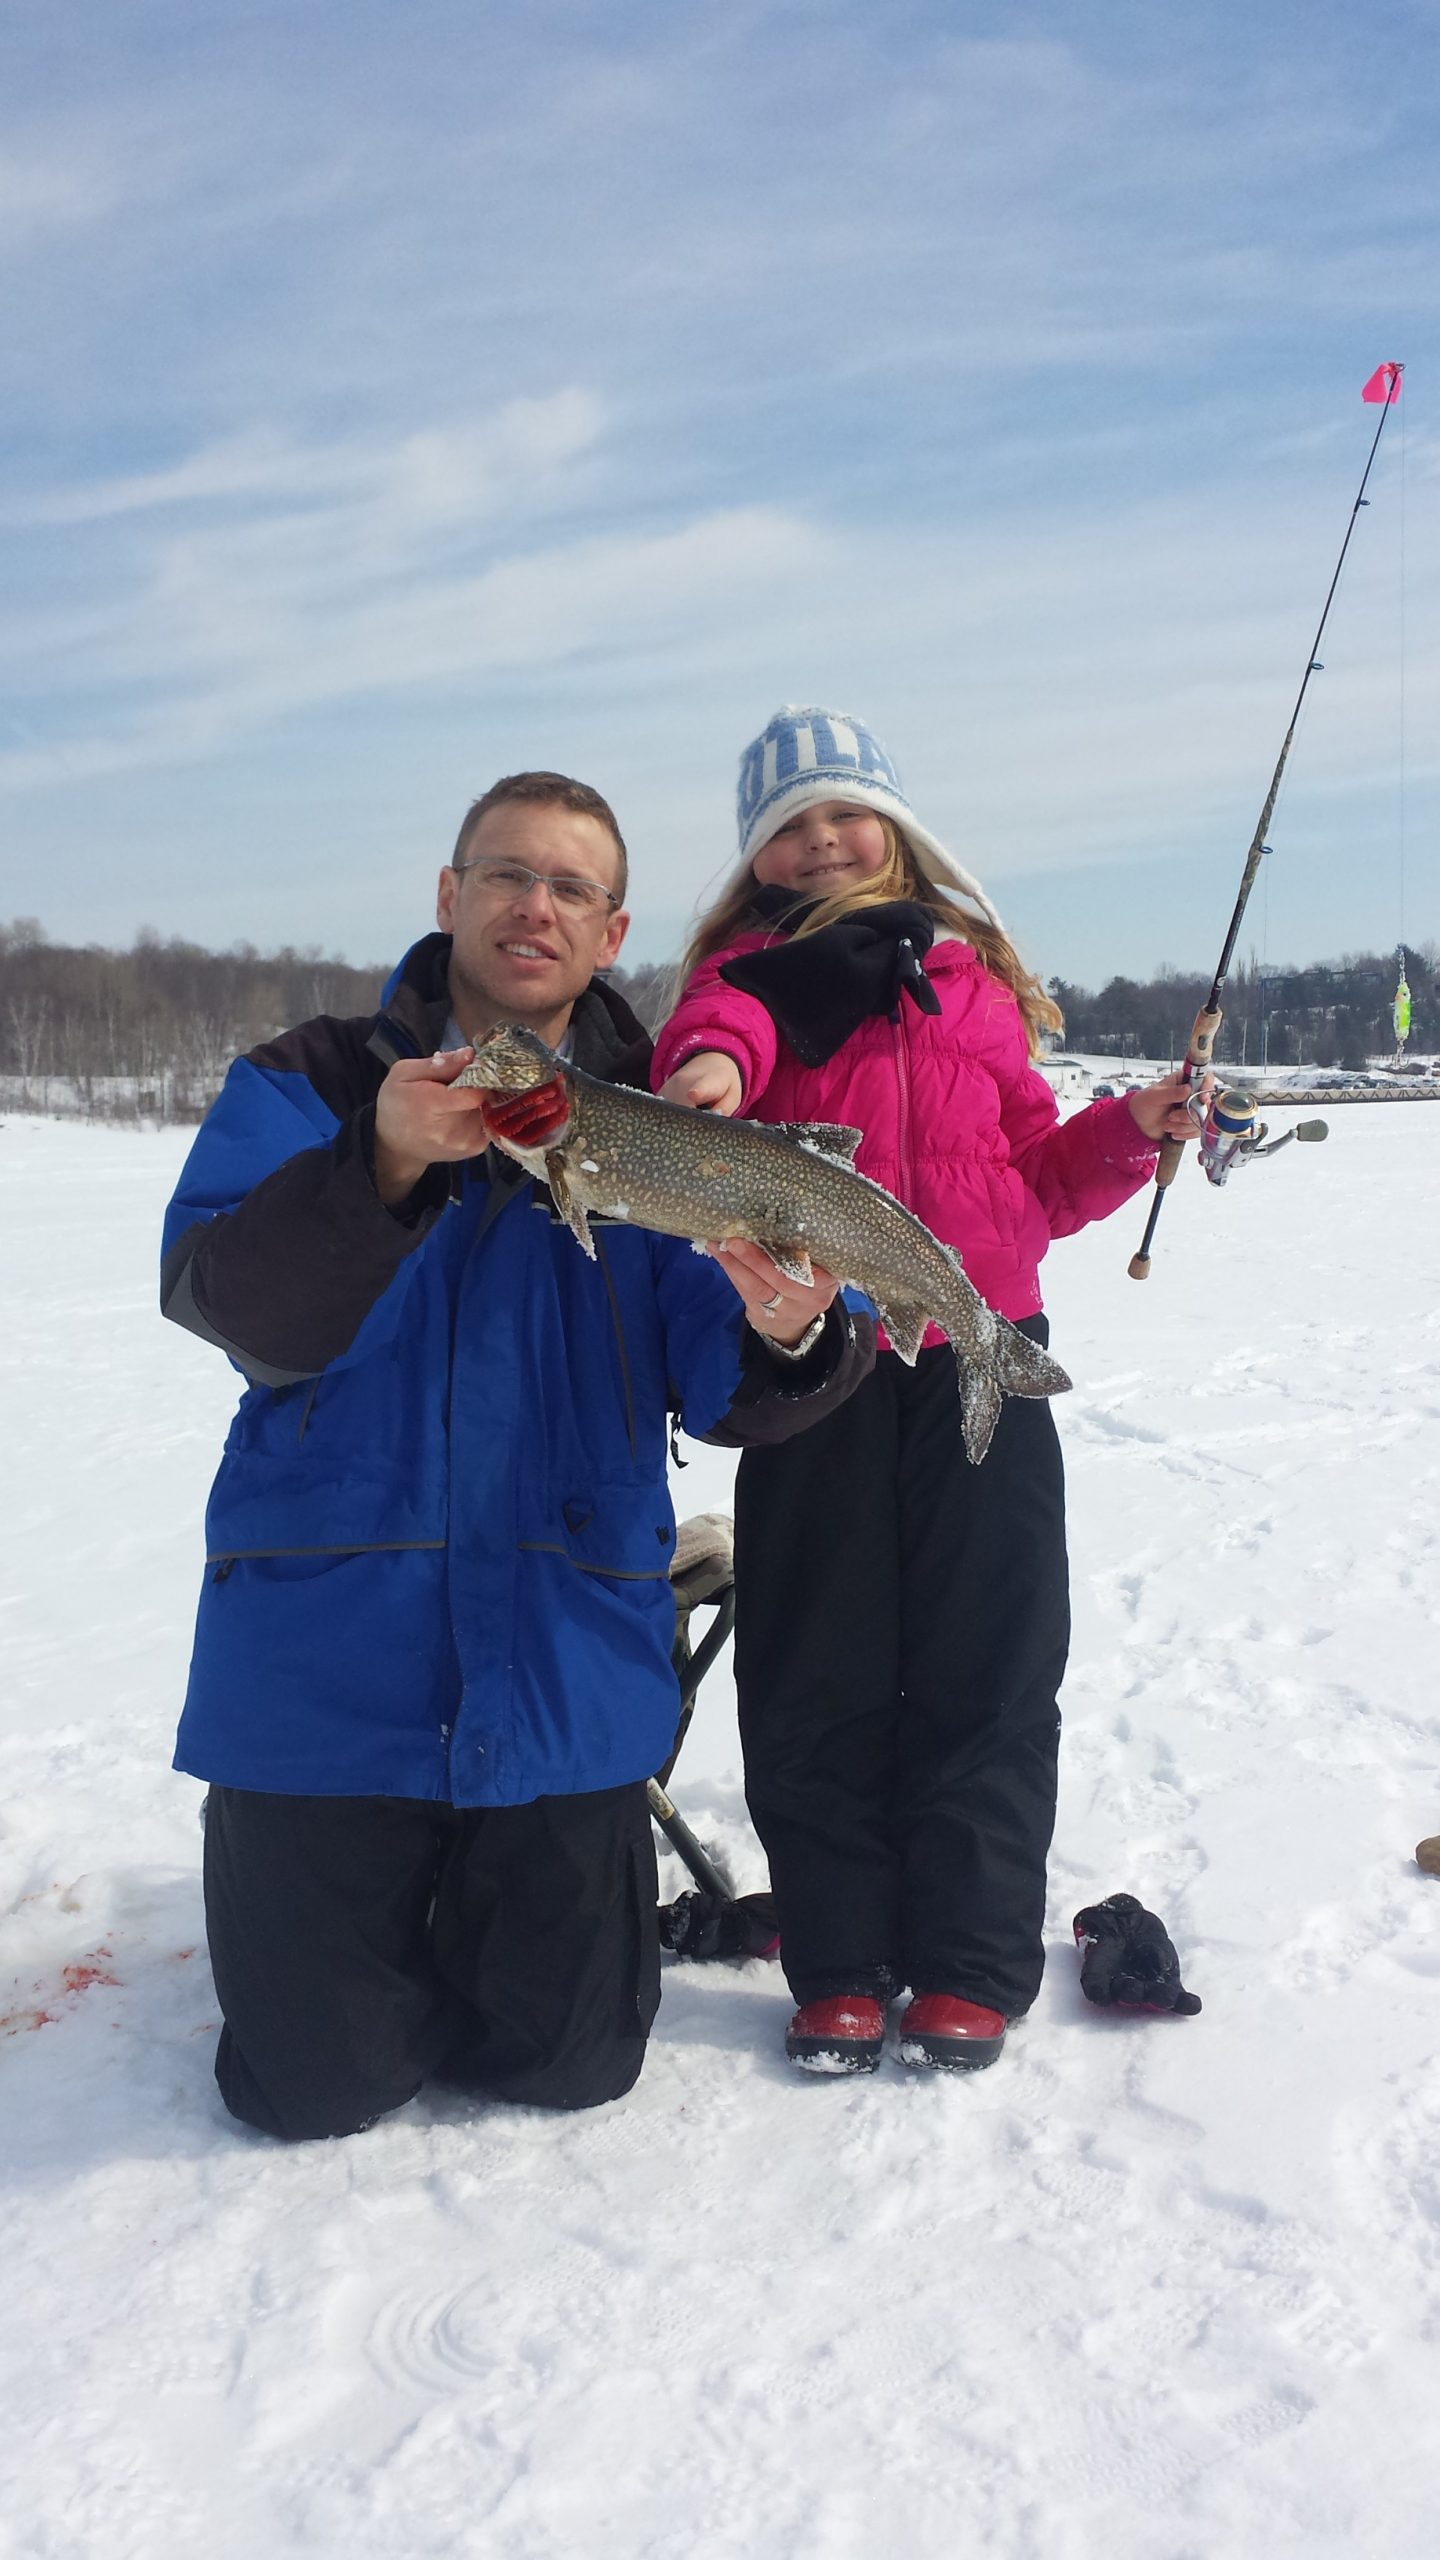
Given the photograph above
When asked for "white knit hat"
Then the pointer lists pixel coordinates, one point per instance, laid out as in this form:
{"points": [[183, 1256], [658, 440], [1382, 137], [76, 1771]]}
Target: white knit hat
{"points": [[805, 755]]}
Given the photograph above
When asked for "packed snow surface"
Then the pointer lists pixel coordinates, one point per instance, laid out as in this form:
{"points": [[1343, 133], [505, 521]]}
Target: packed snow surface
{"points": [[1149, 2289]]}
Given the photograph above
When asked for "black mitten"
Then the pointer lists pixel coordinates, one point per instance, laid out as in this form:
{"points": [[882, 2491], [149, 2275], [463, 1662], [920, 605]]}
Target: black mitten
{"points": [[700, 1925], [1126, 1959]]}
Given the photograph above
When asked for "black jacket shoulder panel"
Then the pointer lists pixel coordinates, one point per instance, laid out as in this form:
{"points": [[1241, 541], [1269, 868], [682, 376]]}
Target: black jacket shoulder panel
{"points": [[610, 1041], [332, 1054]]}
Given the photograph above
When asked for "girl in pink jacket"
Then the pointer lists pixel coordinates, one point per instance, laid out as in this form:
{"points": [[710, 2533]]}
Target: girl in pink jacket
{"points": [[903, 1616]]}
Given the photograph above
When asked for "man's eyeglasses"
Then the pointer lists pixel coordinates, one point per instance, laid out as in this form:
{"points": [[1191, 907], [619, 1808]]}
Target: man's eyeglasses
{"points": [[514, 880]]}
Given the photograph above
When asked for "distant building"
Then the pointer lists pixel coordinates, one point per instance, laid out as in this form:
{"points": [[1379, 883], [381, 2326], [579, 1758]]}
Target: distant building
{"points": [[1067, 1078]]}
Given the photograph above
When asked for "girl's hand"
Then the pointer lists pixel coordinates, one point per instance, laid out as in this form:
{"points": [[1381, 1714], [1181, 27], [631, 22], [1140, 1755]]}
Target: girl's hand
{"points": [[1163, 1110], [707, 1082]]}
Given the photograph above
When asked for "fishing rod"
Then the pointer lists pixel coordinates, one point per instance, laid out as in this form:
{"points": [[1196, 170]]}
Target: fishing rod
{"points": [[1229, 1144]]}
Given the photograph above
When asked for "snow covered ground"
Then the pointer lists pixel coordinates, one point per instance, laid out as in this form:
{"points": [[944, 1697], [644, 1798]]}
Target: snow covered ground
{"points": [[1148, 2290]]}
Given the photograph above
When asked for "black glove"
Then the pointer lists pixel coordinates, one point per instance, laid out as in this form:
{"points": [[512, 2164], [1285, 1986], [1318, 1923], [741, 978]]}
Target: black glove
{"points": [[700, 1925], [1126, 1959]]}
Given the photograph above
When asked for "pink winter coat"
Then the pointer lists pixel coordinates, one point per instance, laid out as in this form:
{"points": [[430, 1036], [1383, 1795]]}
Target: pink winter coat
{"points": [[957, 1122]]}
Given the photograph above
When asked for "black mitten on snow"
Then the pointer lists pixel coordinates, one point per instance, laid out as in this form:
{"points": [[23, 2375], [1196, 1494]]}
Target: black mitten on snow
{"points": [[700, 1925], [1126, 1959]]}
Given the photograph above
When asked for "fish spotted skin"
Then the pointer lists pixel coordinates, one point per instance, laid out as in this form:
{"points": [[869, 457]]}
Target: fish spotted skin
{"points": [[793, 1190]]}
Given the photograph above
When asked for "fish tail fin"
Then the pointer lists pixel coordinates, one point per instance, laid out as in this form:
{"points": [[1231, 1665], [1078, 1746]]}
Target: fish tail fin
{"points": [[1012, 1365], [1025, 1368]]}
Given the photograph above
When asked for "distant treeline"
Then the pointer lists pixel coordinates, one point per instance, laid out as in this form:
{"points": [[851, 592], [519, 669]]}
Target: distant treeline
{"points": [[1336, 1014], [149, 1032]]}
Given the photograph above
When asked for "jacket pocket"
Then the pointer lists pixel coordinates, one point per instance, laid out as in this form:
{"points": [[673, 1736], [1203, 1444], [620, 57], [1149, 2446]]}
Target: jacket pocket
{"points": [[625, 1533]]}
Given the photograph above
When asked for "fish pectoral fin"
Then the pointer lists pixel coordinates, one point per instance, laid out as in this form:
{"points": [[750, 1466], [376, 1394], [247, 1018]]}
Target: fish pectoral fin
{"points": [[565, 1201], [794, 1262], [905, 1326], [827, 1137]]}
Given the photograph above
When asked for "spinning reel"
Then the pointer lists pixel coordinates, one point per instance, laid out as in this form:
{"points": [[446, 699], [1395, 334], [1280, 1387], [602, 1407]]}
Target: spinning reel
{"points": [[1231, 1135]]}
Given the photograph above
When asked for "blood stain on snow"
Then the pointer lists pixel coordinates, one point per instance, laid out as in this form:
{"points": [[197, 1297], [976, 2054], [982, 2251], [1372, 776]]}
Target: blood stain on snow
{"points": [[80, 1977], [75, 1978], [20, 2022]]}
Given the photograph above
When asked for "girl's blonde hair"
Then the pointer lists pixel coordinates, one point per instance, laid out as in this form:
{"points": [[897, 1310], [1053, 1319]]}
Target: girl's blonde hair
{"points": [[900, 876]]}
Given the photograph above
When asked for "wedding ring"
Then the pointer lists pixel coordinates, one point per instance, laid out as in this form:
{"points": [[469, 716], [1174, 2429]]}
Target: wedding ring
{"points": [[769, 1305]]}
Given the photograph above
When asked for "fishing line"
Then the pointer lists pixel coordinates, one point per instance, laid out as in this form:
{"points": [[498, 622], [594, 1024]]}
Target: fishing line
{"points": [[1400, 1009], [1402, 684]]}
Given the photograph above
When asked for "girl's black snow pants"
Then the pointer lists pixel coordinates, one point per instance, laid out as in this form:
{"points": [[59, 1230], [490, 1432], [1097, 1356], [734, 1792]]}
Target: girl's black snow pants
{"points": [[901, 1633]]}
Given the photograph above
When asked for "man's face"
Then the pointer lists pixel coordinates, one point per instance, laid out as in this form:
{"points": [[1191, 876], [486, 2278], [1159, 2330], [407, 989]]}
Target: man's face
{"points": [[522, 951]]}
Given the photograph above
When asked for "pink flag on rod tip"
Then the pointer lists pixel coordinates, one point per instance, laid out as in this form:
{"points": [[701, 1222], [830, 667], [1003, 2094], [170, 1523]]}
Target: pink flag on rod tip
{"points": [[1384, 384]]}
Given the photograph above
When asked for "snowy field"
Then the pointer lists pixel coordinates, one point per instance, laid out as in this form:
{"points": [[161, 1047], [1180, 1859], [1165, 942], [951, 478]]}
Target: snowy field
{"points": [[1149, 2290]]}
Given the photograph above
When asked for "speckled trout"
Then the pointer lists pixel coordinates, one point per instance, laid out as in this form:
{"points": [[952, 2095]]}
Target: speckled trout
{"points": [[792, 1189]]}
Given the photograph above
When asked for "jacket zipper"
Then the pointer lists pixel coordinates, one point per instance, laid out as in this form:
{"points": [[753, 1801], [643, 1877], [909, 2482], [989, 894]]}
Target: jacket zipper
{"points": [[604, 1261], [902, 1068]]}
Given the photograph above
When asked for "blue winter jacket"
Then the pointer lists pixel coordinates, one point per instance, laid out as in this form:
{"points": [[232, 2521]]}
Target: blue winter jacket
{"points": [[439, 1542]]}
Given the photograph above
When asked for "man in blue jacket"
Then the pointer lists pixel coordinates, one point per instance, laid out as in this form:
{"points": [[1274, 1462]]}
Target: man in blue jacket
{"points": [[432, 1658]]}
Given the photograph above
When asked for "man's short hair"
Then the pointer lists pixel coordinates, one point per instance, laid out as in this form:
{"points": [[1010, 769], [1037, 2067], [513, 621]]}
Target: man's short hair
{"points": [[546, 791]]}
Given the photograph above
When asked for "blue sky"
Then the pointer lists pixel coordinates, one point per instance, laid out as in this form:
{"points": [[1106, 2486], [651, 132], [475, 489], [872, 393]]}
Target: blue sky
{"points": [[396, 396]]}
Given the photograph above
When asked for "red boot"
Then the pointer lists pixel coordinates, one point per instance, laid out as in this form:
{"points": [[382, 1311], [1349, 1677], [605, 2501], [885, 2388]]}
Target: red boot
{"points": [[843, 2033], [949, 2034]]}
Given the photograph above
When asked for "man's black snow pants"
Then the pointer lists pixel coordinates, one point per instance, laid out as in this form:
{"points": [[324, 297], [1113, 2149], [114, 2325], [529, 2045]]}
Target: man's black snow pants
{"points": [[902, 1626], [365, 1944]]}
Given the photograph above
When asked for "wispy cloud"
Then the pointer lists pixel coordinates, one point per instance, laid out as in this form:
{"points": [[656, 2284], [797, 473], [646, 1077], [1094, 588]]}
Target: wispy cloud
{"points": [[41, 192], [436, 474], [370, 590], [556, 368]]}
